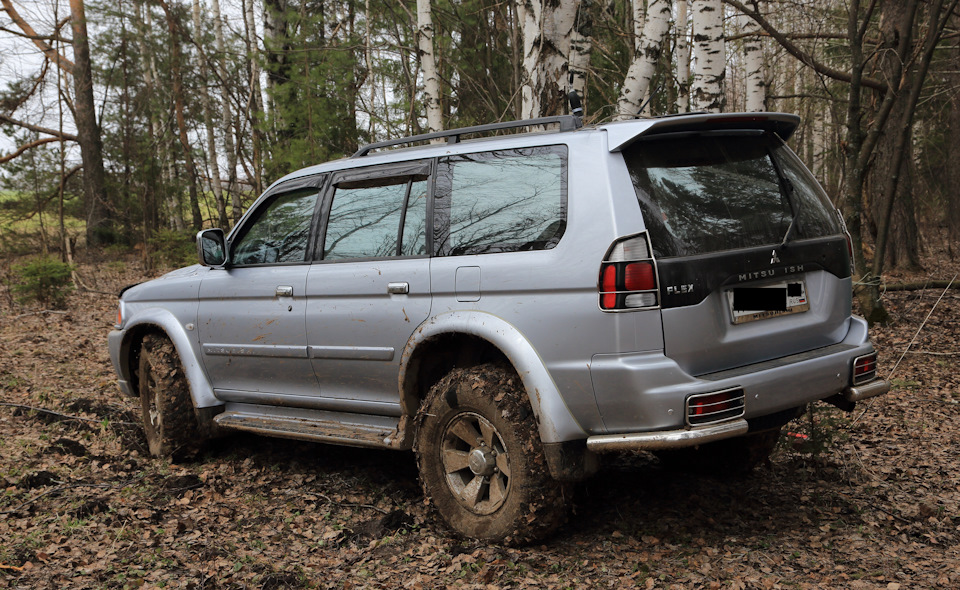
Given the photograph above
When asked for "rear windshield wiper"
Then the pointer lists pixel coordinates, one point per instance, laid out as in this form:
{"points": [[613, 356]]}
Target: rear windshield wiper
{"points": [[788, 192]]}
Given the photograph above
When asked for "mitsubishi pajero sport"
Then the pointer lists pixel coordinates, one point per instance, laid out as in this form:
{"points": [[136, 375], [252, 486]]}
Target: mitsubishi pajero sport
{"points": [[509, 306]]}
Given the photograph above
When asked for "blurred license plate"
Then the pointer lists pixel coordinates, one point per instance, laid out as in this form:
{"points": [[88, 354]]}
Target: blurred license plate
{"points": [[749, 304]]}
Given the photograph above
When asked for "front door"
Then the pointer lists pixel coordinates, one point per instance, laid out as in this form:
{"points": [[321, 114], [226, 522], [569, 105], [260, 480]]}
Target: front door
{"points": [[251, 314]]}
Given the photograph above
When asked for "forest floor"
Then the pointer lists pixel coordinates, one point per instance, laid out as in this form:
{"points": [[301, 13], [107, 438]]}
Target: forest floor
{"points": [[871, 500]]}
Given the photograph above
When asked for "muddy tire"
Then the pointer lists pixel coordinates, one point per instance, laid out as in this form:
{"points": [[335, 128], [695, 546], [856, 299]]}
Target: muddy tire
{"points": [[732, 456], [481, 460], [169, 420]]}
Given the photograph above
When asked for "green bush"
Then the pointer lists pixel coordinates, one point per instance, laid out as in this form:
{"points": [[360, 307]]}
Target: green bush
{"points": [[173, 248], [43, 280]]}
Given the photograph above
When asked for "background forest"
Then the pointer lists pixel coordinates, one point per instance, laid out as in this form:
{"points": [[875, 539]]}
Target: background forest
{"points": [[134, 123]]}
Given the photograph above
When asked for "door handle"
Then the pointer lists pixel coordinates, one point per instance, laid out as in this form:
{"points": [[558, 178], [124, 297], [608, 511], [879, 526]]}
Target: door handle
{"points": [[398, 288], [284, 291]]}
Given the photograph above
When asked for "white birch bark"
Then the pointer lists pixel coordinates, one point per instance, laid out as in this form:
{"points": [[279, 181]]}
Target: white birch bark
{"points": [[213, 165], [639, 21], [431, 80], [547, 28], [756, 89], [255, 102], [636, 86], [226, 113], [581, 46], [683, 57], [709, 56]]}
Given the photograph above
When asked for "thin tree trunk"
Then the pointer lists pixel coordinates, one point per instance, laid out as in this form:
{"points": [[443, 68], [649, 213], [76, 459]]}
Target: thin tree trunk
{"points": [[255, 105], [226, 114], [683, 58], [953, 160], [428, 63], [173, 27], [581, 48], [756, 95], [637, 83], [706, 93], [88, 131], [212, 161]]}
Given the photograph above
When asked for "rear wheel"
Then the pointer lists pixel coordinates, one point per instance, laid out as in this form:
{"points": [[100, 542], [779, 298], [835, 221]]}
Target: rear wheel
{"points": [[481, 460], [169, 420]]}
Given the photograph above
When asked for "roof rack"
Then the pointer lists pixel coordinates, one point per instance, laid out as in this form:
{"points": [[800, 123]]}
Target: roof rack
{"points": [[565, 122]]}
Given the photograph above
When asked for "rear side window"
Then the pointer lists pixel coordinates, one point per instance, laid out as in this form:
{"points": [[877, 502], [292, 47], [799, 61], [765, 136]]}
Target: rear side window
{"points": [[707, 193], [502, 201]]}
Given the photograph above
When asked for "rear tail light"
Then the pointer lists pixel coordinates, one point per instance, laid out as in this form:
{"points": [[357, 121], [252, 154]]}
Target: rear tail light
{"points": [[864, 368], [706, 408], [628, 276]]}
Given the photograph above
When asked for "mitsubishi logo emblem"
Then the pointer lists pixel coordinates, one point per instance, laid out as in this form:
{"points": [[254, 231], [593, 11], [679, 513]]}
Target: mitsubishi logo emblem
{"points": [[774, 259]]}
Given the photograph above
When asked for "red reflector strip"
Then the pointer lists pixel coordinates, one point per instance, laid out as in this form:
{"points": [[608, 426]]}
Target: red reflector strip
{"points": [[608, 284], [710, 404]]}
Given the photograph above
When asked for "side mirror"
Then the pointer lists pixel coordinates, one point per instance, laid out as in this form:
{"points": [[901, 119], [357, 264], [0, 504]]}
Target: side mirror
{"points": [[211, 247]]}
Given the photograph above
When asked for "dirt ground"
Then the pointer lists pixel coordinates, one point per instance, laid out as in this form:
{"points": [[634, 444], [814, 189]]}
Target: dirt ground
{"points": [[870, 500]]}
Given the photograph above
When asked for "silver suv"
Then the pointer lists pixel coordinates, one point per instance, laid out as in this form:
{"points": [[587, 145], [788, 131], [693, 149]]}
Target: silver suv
{"points": [[511, 306]]}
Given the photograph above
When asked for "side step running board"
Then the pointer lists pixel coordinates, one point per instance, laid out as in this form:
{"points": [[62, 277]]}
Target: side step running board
{"points": [[342, 429]]}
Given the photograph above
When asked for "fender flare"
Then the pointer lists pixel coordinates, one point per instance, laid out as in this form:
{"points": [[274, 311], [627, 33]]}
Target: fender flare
{"points": [[156, 318], [555, 421]]}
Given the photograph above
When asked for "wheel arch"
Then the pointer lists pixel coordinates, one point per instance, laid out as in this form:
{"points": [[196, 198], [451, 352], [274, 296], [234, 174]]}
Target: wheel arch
{"points": [[160, 321], [466, 338]]}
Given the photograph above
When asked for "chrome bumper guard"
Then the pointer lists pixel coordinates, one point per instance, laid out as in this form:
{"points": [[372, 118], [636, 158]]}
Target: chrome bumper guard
{"points": [[670, 439], [857, 393]]}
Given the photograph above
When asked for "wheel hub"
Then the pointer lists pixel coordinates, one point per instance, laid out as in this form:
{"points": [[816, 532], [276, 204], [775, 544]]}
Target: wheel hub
{"points": [[482, 461]]}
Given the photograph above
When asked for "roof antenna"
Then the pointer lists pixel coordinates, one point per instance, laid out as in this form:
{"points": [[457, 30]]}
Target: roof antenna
{"points": [[576, 106]]}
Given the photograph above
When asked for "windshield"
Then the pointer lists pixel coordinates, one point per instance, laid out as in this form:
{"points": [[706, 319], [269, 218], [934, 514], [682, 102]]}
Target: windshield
{"points": [[703, 193]]}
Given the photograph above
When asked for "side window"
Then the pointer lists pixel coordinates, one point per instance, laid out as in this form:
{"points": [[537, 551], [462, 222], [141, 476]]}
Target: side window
{"points": [[377, 218], [280, 232], [503, 201]]}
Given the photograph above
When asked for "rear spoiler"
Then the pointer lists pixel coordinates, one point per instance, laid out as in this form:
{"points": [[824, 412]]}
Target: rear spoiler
{"points": [[621, 135]]}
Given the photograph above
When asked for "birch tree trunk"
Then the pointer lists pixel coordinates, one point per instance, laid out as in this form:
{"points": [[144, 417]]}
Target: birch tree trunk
{"points": [[255, 108], [581, 46], [226, 113], [683, 58], [706, 92], [431, 80], [756, 89], [637, 83], [547, 28], [216, 183]]}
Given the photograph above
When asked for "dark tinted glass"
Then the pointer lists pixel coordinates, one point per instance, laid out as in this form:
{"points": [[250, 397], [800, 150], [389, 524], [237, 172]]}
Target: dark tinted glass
{"points": [[364, 222], [280, 231], [706, 193], [504, 201]]}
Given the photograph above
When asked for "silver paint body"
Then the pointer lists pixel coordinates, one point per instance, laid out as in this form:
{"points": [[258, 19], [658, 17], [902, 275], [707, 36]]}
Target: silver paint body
{"points": [[337, 336]]}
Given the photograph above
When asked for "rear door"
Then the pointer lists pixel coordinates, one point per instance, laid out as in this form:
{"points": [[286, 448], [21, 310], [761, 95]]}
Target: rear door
{"points": [[752, 260], [370, 287]]}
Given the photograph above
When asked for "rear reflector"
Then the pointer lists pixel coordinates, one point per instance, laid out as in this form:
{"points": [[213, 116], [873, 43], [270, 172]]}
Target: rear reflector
{"points": [[864, 368], [706, 408]]}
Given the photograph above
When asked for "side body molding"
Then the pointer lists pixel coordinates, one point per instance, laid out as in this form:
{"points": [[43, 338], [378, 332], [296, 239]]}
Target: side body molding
{"points": [[556, 423], [185, 342]]}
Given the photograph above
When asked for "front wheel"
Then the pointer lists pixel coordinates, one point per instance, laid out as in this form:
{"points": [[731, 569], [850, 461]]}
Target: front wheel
{"points": [[169, 420], [481, 460]]}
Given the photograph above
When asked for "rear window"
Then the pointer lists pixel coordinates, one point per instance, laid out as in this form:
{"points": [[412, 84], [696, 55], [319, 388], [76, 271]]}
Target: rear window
{"points": [[703, 193]]}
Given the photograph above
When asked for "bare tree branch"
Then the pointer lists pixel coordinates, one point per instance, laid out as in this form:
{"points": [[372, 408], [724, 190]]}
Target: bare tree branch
{"points": [[802, 55], [27, 146], [8, 119], [38, 40]]}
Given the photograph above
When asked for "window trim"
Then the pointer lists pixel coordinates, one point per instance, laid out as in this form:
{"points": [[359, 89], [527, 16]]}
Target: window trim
{"points": [[371, 176], [252, 216], [444, 188]]}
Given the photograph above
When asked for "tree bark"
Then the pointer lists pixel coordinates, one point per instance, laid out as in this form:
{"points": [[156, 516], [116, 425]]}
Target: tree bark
{"points": [[709, 53], [581, 48], [176, 72], [547, 28], [756, 91], [216, 183], [683, 58], [431, 80], [88, 131], [226, 114], [636, 86], [953, 160]]}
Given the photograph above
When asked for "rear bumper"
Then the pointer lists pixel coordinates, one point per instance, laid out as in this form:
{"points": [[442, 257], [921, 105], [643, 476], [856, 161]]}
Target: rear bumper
{"points": [[671, 439]]}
